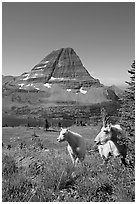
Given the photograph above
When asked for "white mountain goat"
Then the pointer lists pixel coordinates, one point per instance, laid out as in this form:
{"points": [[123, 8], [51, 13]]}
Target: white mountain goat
{"points": [[108, 142], [76, 145]]}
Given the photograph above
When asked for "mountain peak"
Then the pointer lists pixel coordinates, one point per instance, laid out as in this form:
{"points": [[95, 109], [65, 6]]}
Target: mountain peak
{"points": [[64, 64]]}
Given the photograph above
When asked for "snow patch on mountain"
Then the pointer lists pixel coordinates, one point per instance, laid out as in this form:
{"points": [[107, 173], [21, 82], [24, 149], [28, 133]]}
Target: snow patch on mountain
{"points": [[62, 79], [47, 85], [82, 90], [53, 78], [26, 78], [68, 90], [30, 85]]}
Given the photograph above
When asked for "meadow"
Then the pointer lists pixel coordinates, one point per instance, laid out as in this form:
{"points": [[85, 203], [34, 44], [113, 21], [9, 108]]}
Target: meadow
{"points": [[35, 168]]}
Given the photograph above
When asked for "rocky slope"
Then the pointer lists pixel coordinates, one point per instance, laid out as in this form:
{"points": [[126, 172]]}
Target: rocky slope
{"points": [[57, 79]]}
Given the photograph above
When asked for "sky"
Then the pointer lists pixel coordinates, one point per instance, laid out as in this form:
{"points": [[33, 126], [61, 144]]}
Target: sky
{"points": [[101, 33]]}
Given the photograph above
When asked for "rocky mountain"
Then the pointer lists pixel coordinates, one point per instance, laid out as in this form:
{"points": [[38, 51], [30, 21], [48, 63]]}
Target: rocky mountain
{"points": [[59, 78], [65, 68], [118, 91], [62, 67]]}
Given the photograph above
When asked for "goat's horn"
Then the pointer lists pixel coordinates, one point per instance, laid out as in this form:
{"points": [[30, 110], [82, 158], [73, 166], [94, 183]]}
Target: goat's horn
{"points": [[103, 113]]}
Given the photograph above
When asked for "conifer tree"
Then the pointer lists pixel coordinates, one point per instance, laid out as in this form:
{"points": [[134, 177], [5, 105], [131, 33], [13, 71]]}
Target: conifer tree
{"points": [[127, 112], [128, 104], [46, 125]]}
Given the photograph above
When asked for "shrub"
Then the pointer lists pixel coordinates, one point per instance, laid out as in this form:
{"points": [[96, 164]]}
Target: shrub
{"points": [[16, 189], [9, 167]]}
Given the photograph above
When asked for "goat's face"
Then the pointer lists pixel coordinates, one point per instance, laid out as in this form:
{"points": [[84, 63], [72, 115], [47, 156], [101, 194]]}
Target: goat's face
{"points": [[62, 136], [103, 134]]}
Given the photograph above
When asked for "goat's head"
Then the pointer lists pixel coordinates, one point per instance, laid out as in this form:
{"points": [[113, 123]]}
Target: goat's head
{"points": [[105, 132], [62, 135], [103, 135]]}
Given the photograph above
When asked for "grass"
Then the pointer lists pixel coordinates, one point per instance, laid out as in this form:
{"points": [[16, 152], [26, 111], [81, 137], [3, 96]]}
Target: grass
{"points": [[40, 171]]}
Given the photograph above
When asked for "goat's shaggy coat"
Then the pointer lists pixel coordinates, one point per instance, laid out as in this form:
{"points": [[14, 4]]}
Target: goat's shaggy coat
{"points": [[108, 143], [76, 145]]}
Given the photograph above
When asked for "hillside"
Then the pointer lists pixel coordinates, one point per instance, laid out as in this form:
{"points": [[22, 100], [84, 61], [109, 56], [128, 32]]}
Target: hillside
{"points": [[38, 169]]}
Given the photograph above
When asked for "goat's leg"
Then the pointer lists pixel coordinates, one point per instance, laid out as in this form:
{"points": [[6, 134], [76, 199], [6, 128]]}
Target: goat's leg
{"points": [[101, 152], [76, 162], [74, 166], [73, 174], [71, 154], [72, 158]]}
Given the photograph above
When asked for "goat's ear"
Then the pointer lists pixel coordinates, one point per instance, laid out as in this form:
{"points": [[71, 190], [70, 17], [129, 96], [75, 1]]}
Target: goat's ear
{"points": [[103, 113]]}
